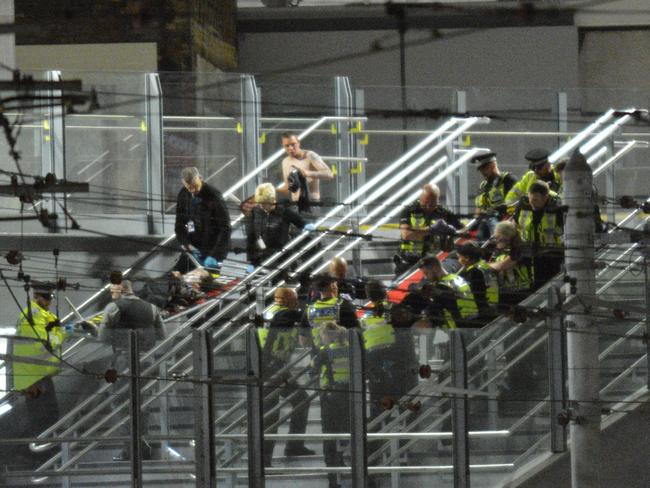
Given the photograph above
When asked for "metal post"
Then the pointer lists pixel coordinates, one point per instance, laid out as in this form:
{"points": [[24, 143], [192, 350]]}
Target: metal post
{"points": [[254, 394], [344, 139], [556, 368], [562, 116], [459, 405], [493, 390], [164, 413], [155, 152], [204, 433], [646, 268], [250, 142], [134, 411], [582, 334], [358, 446], [53, 141], [359, 176], [462, 175]]}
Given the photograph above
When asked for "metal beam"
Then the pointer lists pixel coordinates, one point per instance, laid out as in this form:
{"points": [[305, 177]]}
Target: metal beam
{"points": [[315, 19]]}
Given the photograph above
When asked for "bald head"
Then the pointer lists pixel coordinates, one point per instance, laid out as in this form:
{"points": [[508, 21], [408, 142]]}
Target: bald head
{"points": [[287, 297], [338, 267], [430, 196]]}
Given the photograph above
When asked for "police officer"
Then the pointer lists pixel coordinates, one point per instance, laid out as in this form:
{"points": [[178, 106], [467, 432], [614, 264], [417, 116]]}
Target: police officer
{"points": [[128, 312], [482, 280], [333, 363], [491, 200], [202, 222], [417, 222], [540, 223], [278, 340], [378, 341], [510, 265], [540, 169], [453, 301], [39, 338], [329, 307]]}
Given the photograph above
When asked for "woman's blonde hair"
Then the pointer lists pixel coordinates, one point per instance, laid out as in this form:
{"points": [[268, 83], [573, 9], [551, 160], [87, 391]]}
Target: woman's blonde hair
{"points": [[506, 229], [331, 331], [265, 193]]}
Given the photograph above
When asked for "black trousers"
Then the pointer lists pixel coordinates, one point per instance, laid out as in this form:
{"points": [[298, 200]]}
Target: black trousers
{"points": [[335, 419], [298, 420]]}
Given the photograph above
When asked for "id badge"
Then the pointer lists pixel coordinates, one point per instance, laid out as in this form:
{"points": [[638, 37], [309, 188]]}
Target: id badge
{"points": [[260, 244], [190, 227]]}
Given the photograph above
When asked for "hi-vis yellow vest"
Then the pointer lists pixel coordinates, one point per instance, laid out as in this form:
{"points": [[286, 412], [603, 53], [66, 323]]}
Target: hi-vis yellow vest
{"points": [[491, 197], [548, 232], [516, 278], [417, 221], [520, 189], [337, 368], [377, 332], [464, 298], [285, 339], [25, 374], [320, 312], [491, 283]]}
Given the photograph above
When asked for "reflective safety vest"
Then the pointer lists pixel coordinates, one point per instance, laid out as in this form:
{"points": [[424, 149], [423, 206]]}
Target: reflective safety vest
{"points": [[492, 194], [516, 278], [336, 369], [417, 221], [25, 374], [464, 298], [285, 339], [322, 311], [490, 279], [520, 189], [548, 232], [377, 332]]}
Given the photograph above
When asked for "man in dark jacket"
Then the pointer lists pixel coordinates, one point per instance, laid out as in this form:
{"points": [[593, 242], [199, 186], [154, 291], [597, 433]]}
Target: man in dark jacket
{"points": [[202, 222], [267, 227]]}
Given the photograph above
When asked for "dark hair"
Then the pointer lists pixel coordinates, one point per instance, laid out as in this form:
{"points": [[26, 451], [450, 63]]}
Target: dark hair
{"points": [[322, 282], [470, 250], [376, 293], [539, 187], [560, 165], [288, 135], [429, 261]]}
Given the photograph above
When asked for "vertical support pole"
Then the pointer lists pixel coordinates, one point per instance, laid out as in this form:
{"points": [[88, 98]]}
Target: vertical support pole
{"points": [[462, 174], [65, 456], [254, 396], [53, 141], [250, 141], [610, 192], [493, 390], [459, 411], [344, 139], [204, 434], [134, 410], [582, 335], [155, 152], [646, 269], [562, 117], [556, 368], [358, 426], [164, 413], [359, 177]]}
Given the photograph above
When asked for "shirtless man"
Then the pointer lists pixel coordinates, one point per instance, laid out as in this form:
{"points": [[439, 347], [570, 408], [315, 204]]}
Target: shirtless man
{"points": [[308, 163]]}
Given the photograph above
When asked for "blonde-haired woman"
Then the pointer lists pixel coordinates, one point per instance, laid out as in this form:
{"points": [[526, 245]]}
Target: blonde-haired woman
{"points": [[514, 272], [267, 226]]}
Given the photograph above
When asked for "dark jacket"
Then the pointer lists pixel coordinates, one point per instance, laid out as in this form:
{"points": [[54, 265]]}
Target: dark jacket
{"points": [[209, 214], [131, 313], [272, 228]]}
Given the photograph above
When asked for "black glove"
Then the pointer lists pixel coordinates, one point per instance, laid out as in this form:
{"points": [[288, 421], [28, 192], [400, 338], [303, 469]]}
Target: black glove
{"points": [[89, 327]]}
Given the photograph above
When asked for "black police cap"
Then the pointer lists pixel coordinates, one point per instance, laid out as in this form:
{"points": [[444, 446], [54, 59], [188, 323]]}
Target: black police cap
{"points": [[537, 157], [483, 159], [469, 249], [44, 289]]}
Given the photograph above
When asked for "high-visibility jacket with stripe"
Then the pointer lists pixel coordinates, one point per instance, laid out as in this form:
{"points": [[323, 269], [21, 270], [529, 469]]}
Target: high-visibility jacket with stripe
{"points": [[520, 189], [322, 311], [25, 374], [417, 221], [548, 231], [464, 298], [490, 279], [284, 339], [516, 278], [378, 332], [336, 369], [492, 194]]}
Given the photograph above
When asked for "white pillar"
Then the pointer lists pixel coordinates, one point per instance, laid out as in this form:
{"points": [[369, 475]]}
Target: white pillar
{"points": [[582, 334], [7, 41]]}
